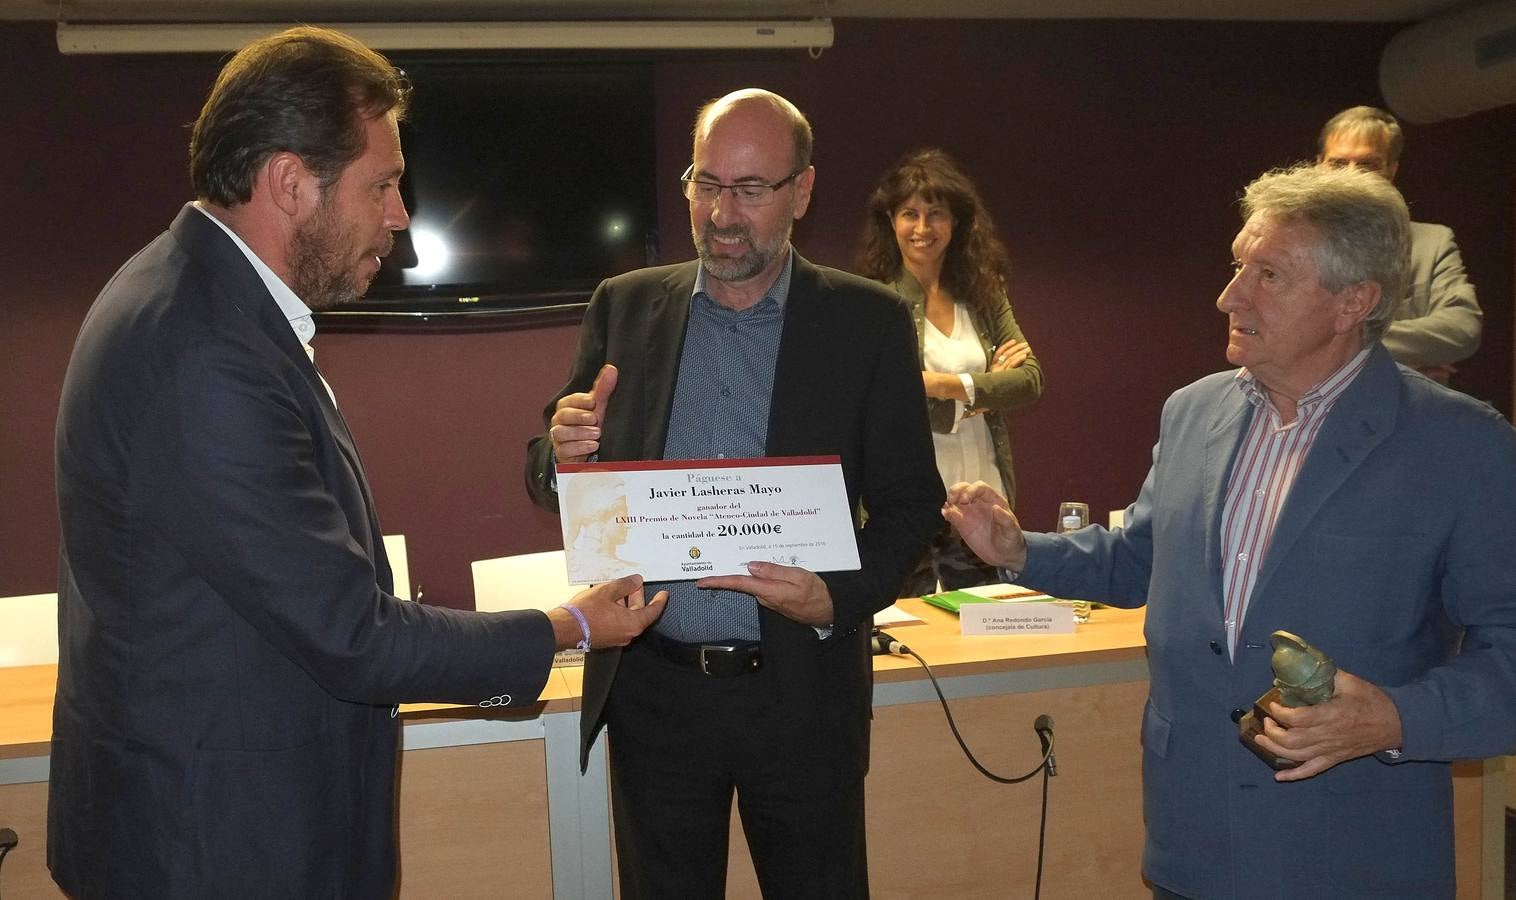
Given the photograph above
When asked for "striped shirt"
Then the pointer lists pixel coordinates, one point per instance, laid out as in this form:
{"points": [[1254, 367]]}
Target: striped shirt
{"points": [[1268, 460]]}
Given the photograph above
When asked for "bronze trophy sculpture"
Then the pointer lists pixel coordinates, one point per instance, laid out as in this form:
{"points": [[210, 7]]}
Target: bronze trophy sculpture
{"points": [[1302, 677]]}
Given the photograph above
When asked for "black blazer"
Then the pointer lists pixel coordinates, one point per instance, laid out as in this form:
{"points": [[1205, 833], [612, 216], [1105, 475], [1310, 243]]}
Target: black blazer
{"points": [[229, 646], [847, 382]]}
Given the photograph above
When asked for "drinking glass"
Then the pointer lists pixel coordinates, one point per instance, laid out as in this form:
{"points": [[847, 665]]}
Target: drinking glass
{"points": [[1072, 516]]}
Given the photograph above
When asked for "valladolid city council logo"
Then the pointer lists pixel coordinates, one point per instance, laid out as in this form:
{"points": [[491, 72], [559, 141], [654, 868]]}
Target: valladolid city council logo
{"points": [[694, 553]]}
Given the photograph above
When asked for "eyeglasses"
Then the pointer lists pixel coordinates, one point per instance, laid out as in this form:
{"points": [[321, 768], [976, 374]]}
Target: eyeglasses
{"points": [[748, 193]]}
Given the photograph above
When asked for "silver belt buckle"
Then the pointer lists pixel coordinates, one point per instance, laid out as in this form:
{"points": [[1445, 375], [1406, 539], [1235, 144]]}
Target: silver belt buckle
{"points": [[707, 648]]}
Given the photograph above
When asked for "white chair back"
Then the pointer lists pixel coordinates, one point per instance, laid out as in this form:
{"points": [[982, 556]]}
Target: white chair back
{"points": [[29, 630], [394, 548], [528, 581]]}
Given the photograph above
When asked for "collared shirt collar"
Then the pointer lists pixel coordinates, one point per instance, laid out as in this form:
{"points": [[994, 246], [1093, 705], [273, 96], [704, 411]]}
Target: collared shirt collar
{"points": [[298, 314], [779, 291], [1320, 397]]}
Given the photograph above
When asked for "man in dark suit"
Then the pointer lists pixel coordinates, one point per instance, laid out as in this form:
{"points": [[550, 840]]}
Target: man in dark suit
{"points": [[230, 647], [1323, 490], [758, 684]]}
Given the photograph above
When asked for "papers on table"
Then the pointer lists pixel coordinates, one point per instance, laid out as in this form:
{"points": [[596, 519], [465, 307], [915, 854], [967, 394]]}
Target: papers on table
{"points": [[1006, 593], [1005, 609], [894, 615], [953, 601]]}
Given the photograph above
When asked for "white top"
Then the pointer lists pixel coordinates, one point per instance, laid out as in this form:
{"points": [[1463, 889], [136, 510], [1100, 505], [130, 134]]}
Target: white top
{"points": [[966, 453]]}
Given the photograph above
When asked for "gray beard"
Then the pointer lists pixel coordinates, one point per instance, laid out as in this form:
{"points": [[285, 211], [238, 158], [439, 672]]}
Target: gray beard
{"points": [[739, 268]]}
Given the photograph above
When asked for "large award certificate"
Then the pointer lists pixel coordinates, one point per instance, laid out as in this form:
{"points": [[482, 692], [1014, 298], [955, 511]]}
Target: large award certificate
{"points": [[686, 519]]}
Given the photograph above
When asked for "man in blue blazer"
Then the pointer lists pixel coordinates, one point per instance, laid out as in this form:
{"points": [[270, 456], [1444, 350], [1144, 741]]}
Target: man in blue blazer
{"points": [[230, 646], [1323, 490]]}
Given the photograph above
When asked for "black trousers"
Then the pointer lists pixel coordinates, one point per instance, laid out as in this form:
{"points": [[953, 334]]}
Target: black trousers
{"points": [[681, 745]]}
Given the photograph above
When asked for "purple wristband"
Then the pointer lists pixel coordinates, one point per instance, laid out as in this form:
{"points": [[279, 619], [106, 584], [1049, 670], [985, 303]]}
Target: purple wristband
{"points": [[584, 626]]}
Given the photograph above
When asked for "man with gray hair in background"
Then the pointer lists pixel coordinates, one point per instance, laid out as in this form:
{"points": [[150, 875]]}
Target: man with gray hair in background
{"points": [[1323, 490], [1437, 320]]}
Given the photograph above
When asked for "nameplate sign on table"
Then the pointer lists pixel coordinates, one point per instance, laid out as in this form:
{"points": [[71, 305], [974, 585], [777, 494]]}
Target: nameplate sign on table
{"points": [[1034, 617], [687, 519]]}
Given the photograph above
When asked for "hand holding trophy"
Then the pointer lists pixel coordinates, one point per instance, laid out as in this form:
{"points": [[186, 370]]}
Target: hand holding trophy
{"points": [[1302, 677]]}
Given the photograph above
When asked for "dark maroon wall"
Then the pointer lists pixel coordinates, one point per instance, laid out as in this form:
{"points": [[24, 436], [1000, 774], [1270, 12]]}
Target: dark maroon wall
{"points": [[94, 152], [1110, 153]]}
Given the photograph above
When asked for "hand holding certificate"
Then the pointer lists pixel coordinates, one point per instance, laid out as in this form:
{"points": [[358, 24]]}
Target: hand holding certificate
{"points": [[606, 615], [793, 592], [687, 519]]}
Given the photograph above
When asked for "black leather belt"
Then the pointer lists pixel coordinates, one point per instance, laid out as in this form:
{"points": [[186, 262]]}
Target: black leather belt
{"points": [[721, 659]]}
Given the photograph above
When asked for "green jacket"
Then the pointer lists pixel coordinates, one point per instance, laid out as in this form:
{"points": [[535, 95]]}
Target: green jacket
{"points": [[995, 393]]}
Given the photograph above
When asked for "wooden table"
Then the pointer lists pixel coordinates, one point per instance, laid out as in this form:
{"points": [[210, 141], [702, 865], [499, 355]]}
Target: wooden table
{"points": [[935, 827]]}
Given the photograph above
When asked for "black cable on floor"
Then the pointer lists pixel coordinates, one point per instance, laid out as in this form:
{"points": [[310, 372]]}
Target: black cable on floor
{"points": [[8, 840], [885, 644]]}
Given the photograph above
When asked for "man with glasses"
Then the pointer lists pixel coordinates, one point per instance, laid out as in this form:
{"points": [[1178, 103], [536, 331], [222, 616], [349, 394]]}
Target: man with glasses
{"points": [[758, 684]]}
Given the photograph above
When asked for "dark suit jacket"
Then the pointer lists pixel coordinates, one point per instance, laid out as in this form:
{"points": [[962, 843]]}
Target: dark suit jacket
{"points": [[847, 382], [1392, 555], [229, 648]]}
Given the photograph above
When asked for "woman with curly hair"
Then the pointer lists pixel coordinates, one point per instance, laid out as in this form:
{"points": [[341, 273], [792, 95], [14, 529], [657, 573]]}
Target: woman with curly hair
{"points": [[929, 236]]}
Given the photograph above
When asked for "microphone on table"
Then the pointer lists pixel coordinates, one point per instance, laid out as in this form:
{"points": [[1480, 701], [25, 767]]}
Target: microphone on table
{"points": [[881, 644], [1044, 728]]}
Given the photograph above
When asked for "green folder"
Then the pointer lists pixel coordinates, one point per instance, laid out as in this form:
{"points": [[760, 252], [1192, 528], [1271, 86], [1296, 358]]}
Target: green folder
{"points": [[951, 600]]}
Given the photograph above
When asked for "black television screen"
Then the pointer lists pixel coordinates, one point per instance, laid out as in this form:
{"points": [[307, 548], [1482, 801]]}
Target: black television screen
{"points": [[527, 183]]}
